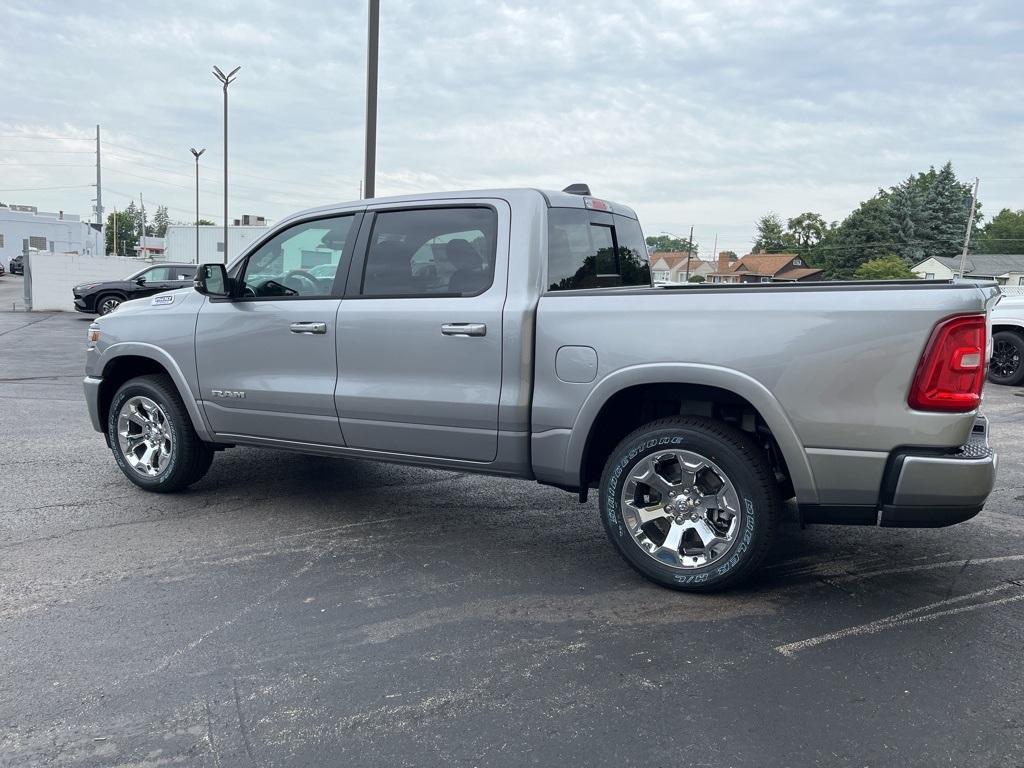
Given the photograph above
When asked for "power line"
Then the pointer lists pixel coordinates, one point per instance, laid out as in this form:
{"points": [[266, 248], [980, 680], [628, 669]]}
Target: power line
{"points": [[49, 151], [213, 182], [44, 189], [233, 173], [202, 215], [47, 138], [47, 165]]}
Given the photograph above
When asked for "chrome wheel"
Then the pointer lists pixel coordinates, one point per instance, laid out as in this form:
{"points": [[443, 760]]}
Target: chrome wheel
{"points": [[681, 508], [144, 436], [109, 304], [1006, 359]]}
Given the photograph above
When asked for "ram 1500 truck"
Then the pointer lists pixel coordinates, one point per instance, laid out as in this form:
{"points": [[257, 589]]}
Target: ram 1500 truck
{"points": [[516, 332]]}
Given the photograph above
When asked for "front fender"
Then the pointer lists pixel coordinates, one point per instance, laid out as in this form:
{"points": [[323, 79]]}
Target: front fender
{"points": [[707, 375], [152, 352]]}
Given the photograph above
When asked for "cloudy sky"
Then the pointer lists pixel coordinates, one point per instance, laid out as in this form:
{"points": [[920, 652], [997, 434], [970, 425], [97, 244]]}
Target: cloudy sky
{"points": [[696, 113]]}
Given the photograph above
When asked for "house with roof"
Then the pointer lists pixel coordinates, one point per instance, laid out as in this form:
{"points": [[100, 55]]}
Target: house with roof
{"points": [[671, 267], [1004, 268], [763, 267]]}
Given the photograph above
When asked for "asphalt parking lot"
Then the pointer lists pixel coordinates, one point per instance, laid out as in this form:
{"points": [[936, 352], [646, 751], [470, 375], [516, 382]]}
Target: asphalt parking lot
{"points": [[306, 611]]}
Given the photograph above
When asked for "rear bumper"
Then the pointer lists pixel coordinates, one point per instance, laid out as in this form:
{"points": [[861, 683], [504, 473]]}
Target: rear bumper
{"points": [[923, 487], [928, 489]]}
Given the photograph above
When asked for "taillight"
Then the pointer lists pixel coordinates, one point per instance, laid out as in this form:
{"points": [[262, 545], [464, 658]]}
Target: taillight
{"points": [[952, 369]]}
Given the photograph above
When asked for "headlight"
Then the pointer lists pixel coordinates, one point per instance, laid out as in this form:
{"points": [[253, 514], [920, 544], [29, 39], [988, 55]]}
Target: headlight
{"points": [[85, 286]]}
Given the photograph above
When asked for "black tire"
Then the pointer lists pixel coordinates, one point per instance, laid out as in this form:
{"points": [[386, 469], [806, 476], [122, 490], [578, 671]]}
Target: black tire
{"points": [[1007, 364], [190, 457], [107, 303], [748, 471]]}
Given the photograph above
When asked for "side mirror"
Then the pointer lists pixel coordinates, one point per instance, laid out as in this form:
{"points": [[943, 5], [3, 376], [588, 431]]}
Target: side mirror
{"points": [[140, 280], [212, 280]]}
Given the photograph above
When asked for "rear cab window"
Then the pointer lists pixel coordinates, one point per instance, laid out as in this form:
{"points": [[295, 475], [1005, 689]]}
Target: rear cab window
{"points": [[595, 249]]}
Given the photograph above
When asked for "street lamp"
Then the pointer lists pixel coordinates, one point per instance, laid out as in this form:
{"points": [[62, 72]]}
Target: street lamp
{"points": [[225, 80], [196, 153]]}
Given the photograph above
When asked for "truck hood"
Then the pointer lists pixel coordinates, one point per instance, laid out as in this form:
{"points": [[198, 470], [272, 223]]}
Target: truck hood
{"points": [[160, 301]]}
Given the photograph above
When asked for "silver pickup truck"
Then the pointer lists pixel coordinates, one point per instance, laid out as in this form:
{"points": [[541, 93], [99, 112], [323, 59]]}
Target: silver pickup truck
{"points": [[516, 332]]}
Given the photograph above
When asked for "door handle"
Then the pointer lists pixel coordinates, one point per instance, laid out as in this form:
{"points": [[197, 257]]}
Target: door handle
{"points": [[464, 329], [308, 327]]}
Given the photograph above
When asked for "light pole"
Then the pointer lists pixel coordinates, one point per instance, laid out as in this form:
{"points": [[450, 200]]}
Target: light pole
{"points": [[370, 155], [196, 153], [225, 80]]}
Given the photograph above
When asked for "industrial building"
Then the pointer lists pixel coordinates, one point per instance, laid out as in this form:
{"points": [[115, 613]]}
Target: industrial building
{"points": [[55, 232], [180, 242]]}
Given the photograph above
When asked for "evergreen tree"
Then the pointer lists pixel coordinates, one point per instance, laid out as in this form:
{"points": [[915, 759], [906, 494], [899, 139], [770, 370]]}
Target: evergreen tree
{"points": [[161, 220], [771, 236]]}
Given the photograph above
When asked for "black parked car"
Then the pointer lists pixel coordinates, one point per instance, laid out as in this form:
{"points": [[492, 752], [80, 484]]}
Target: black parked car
{"points": [[102, 298], [16, 266]]}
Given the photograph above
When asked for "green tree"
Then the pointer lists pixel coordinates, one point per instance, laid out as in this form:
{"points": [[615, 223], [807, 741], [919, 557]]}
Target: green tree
{"points": [[887, 267], [1004, 234], [924, 215], [861, 236], [807, 229], [696, 279], [161, 220], [771, 235], [671, 243], [126, 225], [203, 222]]}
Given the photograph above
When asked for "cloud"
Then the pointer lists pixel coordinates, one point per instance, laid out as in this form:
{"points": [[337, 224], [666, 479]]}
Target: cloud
{"points": [[692, 112]]}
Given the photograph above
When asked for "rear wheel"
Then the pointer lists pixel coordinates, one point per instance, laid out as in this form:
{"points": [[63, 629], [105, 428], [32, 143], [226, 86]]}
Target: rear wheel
{"points": [[152, 437], [1007, 364], [107, 303], [690, 503]]}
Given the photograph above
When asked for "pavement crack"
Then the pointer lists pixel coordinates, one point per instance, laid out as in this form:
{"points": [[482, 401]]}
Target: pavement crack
{"points": [[241, 722], [26, 325]]}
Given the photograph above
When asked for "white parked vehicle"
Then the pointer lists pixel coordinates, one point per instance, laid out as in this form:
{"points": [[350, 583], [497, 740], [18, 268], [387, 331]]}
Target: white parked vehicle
{"points": [[1007, 365]]}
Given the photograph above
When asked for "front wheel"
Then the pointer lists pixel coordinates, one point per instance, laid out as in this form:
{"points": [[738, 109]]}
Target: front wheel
{"points": [[1007, 364], [108, 303], [690, 503], [152, 437]]}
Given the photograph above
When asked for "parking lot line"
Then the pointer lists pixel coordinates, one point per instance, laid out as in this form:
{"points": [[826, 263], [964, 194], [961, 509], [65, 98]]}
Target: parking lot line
{"points": [[913, 616]]}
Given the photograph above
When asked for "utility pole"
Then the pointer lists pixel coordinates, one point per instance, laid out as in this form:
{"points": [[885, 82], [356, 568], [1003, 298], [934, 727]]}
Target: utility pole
{"points": [[970, 226], [714, 250], [115, 230], [99, 184], [370, 155], [225, 80], [142, 226], [196, 153], [689, 250]]}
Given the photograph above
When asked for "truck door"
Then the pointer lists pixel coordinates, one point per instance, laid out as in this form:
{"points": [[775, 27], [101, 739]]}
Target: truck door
{"points": [[420, 331], [267, 359]]}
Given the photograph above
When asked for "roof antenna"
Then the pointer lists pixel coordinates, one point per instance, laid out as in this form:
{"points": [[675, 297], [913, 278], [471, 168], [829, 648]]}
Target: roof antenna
{"points": [[578, 189]]}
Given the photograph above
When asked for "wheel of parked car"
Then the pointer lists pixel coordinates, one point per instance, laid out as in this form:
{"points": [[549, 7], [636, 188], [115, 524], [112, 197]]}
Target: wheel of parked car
{"points": [[690, 503], [1007, 364], [108, 303], [152, 437]]}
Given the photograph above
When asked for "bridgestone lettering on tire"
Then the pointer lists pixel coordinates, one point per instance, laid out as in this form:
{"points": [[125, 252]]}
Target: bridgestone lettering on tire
{"points": [[152, 437], [690, 503]]}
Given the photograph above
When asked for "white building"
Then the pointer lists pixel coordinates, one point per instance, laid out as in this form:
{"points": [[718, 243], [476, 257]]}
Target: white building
{"points": [[1004, 268], [55, 232], [180, 242]]}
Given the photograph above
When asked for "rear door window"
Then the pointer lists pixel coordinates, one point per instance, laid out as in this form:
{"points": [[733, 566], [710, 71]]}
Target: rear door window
{"points": [[590, 249], [447, 251]]}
